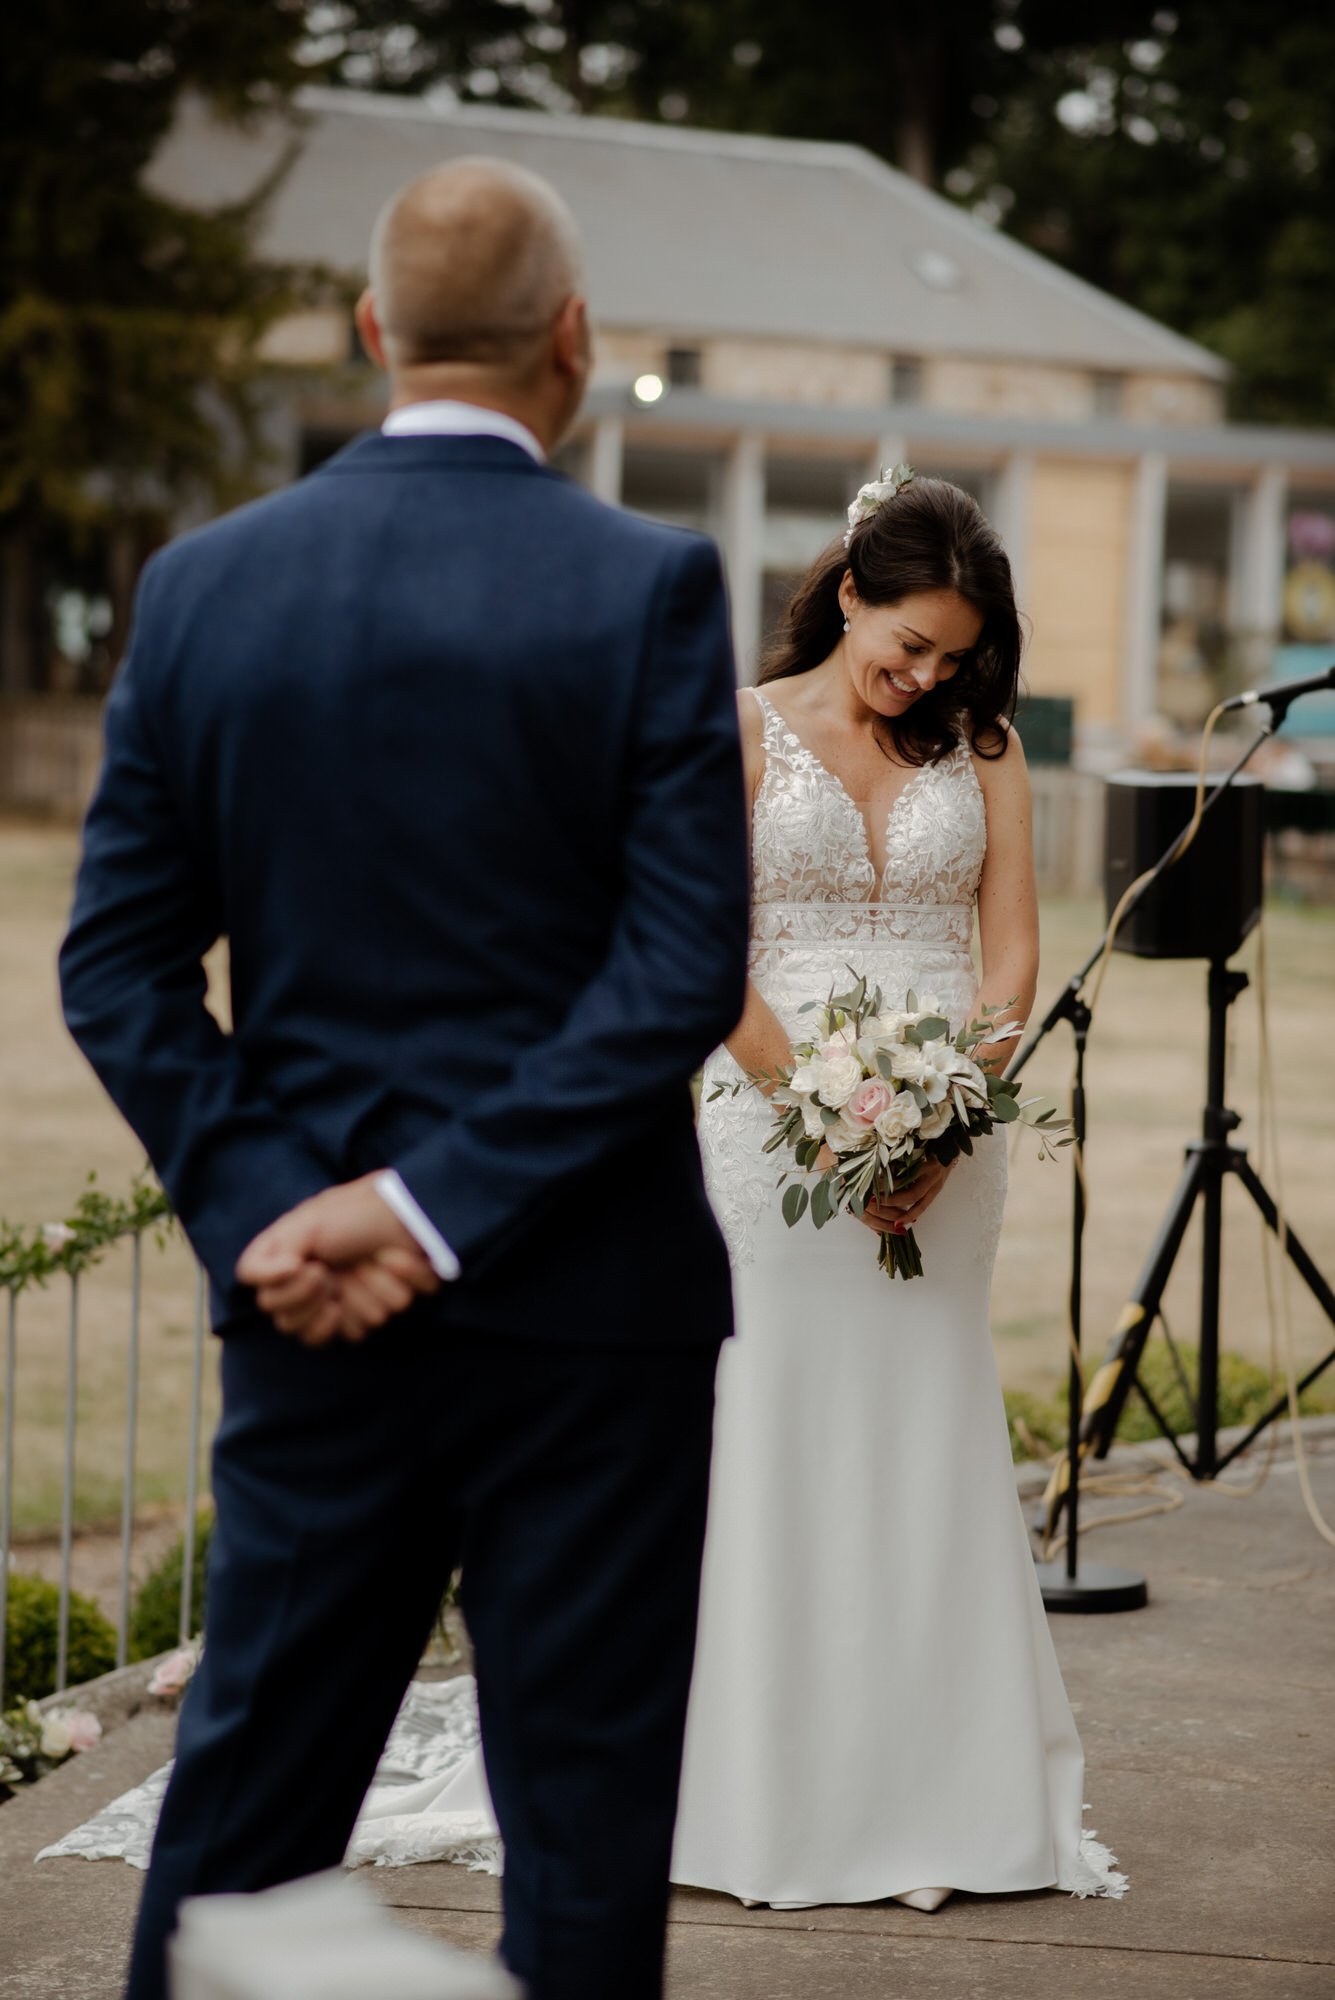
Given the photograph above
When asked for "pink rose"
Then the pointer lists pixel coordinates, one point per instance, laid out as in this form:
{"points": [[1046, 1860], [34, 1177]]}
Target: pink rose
{"points": [[172, 1674], [868, 1101], [85, 1729]]}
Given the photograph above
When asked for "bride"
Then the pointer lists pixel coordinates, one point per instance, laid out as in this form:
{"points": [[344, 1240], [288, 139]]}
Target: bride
{"points": [[877, 1710]]}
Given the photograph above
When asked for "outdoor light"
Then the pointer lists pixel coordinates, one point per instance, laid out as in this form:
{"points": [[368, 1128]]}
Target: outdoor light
{"points": [[648, 389]]}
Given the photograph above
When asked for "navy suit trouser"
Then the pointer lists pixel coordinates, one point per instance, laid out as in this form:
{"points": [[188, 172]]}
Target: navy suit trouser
{"points": [[570, 1481]]}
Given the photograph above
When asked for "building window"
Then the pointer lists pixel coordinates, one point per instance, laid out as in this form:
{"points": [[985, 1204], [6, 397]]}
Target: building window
{"points": [[1108, 391], [683, 367], [905, 379], [1200, 658]]}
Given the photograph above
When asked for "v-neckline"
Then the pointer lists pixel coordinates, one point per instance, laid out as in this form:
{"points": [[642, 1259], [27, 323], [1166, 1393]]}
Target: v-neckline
{"points": [[918, 771]]}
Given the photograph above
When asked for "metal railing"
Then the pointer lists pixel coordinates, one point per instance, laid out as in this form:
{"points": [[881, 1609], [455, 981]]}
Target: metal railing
{"points": [[83, 1244]]}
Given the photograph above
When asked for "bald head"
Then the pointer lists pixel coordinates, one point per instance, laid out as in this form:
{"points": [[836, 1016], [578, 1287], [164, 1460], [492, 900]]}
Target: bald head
{"points": [[471, 264]]}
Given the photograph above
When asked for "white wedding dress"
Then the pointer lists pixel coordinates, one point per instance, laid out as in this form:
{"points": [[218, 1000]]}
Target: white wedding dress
{"points": [[877, 1707]]}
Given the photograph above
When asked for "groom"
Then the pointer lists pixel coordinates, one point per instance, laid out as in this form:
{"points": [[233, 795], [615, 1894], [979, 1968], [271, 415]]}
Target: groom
{"points": [[447, 750]]}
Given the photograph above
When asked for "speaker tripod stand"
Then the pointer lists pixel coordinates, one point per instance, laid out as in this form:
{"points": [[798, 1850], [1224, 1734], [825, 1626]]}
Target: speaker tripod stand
{"points": [[1074, 1586], [1211, 1160]]}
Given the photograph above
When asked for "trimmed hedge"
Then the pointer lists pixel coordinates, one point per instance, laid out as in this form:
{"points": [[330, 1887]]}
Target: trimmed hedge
{"points": [[30, 1640], [155, 1616]]}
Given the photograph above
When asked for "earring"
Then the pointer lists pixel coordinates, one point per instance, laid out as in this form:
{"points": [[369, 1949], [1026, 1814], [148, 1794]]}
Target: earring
{"points": [[847, 626]]}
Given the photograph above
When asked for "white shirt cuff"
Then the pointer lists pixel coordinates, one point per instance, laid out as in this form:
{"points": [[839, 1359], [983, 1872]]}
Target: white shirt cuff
{"points": [[389, 1186]]}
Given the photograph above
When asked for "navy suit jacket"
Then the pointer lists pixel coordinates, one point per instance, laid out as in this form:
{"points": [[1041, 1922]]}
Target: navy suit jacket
{"points": [[447, 749]]}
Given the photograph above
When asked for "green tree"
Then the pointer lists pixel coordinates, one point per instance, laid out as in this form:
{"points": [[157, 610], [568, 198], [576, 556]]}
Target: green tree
{"points": [[1188, 168], [128, 325]]}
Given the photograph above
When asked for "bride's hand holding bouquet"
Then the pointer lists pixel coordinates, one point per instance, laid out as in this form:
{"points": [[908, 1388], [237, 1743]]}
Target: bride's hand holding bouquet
{"points": [[881, 1098]]}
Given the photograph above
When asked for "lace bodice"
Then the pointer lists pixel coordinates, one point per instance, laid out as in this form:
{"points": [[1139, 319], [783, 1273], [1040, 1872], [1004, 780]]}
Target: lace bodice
{"points": [[809, 845], [817, 908]]}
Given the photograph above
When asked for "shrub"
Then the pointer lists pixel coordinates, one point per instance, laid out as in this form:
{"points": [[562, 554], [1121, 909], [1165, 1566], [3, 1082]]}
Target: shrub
{"points": [[30, 1640], [1036, 1426], [1245, 1392], [155, 1617]]}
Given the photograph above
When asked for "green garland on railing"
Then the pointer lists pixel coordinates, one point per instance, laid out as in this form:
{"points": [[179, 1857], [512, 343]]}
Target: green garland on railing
{"points": [[29, 1256]]}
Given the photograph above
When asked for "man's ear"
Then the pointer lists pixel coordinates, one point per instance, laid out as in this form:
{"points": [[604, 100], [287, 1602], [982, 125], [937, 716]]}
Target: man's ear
{"points": [[572, 342], [368, 326]]}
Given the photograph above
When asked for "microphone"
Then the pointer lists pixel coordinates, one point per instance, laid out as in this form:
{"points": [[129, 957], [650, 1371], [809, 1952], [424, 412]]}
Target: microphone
{"points": [[1282, 693]]}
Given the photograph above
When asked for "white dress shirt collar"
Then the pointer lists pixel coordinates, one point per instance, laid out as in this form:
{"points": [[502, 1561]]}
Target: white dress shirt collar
{"points": [[450, 419]]}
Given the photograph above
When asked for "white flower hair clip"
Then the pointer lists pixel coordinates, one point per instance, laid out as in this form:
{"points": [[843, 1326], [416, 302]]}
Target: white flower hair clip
{"points": [[893, 480]]}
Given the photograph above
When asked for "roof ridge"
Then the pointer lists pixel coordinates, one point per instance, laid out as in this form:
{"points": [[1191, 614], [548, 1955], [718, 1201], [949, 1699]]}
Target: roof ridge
{"points": [[616, 131]]}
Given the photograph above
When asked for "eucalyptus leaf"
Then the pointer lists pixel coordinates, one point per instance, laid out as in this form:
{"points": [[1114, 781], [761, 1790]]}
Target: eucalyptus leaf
{"points": [[795, 1204]]}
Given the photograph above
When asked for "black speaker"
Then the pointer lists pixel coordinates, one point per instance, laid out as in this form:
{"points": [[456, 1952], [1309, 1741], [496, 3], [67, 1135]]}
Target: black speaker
{"points": [[1206, 904]]}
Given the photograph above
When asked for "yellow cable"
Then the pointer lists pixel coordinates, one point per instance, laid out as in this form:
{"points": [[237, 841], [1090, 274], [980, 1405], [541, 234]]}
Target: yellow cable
{"points": [[1269, 1126]]}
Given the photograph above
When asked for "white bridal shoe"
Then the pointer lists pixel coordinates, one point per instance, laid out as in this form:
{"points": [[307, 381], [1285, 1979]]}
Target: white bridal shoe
{"points": [[924, 1899], [917, 1899]]}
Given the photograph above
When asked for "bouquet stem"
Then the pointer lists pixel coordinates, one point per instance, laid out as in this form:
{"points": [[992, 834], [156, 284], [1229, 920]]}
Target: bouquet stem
{"points": [[900, 1256]]}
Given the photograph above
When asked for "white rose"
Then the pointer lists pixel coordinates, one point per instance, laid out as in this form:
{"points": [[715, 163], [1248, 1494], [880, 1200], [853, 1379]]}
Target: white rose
{"points": [[812, 1122], [908, 1063], [804, 1080], [837, 1047], [936, 1121], [846, 1137], [56, 1741], [838, 1080], [971, 1081], [899, 1118], [887, 1026]]}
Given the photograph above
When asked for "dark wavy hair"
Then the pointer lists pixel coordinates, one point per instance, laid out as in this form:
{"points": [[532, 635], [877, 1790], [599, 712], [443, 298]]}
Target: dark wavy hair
{"points": [[929, 536]]}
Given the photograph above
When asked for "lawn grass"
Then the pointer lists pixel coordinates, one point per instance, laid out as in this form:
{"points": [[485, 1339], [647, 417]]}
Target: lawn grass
{"points": [[1145, 1079]]}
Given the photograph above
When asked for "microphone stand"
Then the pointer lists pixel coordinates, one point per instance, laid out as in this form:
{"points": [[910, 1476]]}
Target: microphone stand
{"points": [[1071, 1585]]}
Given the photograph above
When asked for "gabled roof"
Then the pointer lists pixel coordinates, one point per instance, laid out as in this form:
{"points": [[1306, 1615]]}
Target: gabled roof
{"points": [[691, 233]]}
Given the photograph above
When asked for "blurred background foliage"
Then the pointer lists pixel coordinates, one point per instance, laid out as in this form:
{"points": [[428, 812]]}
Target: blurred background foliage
{"points": [[1182, 158], [1179, 158]]}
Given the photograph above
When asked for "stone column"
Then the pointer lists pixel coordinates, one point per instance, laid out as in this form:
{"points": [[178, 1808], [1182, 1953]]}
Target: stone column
{"points": [[891, 449], [605, 459], [743, 540], [1014, 506], [1258, 585], [1144, 594]]}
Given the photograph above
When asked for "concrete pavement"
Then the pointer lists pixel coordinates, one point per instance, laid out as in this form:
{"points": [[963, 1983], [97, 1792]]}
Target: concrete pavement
{"points": [[1209, 1726]]}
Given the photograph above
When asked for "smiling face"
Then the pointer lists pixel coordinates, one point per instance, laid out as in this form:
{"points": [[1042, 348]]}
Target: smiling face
{"points": [[894, 654]]}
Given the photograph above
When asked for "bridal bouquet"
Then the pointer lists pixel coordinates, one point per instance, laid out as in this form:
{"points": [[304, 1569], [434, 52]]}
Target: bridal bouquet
{"points": [[886, 1089]]}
